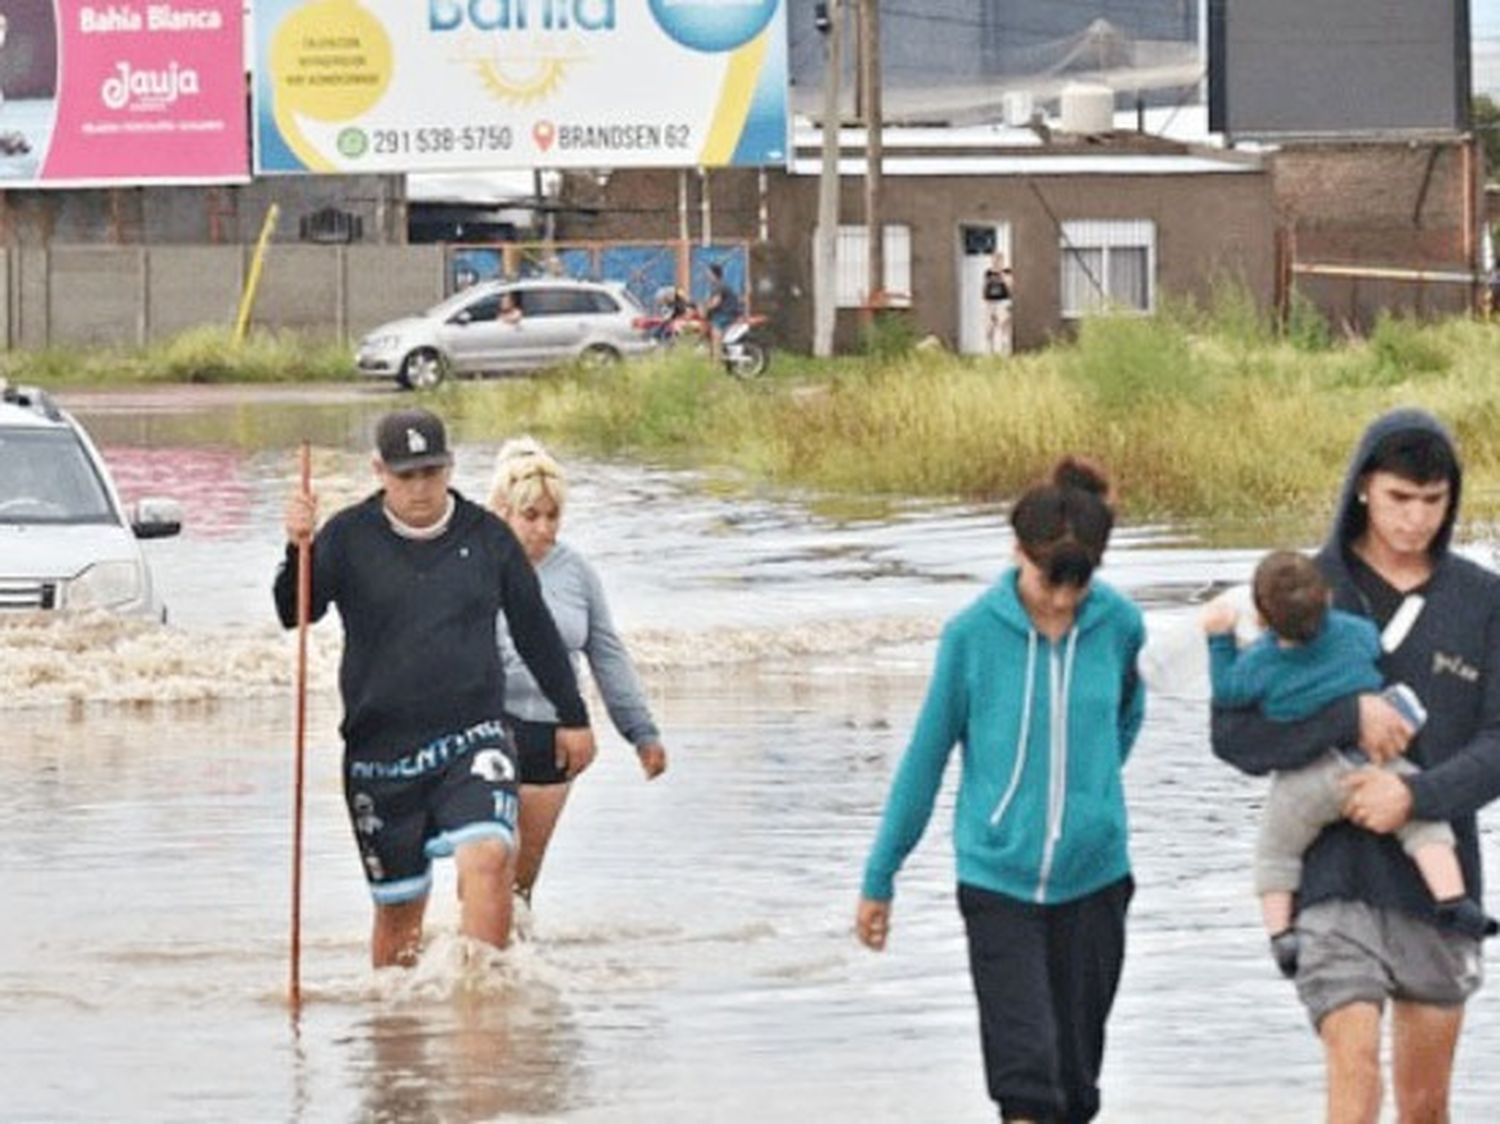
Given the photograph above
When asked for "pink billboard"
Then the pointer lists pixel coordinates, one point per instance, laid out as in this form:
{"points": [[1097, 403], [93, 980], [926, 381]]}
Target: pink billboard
{"points": [[122, 93]]}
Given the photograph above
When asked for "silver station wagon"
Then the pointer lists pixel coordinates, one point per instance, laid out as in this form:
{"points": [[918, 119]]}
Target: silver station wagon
{"points": [[499, 326]]}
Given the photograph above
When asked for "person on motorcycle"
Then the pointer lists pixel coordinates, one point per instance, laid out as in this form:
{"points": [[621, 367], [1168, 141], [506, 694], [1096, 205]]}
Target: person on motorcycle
{"points": [[673, 310], [722, 310]]}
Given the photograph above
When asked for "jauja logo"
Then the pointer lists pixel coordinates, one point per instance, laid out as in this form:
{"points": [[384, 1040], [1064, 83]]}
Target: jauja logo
{"points": [[148, 89]]}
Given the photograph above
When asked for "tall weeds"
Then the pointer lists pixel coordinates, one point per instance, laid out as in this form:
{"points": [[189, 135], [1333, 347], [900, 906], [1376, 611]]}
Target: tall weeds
{"points": [[1198, 413]]}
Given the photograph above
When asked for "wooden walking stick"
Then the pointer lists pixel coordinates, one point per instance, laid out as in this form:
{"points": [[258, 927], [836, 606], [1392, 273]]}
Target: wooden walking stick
{"points": [[304, 598]]}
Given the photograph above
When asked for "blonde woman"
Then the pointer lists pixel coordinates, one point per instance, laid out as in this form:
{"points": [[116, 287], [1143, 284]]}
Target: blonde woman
{"points": [[529, 492]]}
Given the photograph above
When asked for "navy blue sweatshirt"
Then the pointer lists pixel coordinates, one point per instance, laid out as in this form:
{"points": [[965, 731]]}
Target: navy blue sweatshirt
{"points": [[1451, 658], [420, 652]]}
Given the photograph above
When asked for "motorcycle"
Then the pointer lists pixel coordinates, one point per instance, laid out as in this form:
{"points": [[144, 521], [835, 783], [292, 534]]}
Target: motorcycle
{"points": [[744, 351]]}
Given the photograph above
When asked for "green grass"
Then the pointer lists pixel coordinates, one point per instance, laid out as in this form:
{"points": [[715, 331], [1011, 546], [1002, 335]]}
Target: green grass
{"points": [[1199, 414], [200, 355]]}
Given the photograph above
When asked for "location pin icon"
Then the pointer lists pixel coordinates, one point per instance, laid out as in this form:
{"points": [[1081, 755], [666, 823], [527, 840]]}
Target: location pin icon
{"points": [[544, 133]]}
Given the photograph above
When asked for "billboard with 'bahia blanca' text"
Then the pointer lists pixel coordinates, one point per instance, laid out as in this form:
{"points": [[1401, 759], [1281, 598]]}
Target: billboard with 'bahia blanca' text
{"points": [[122, 93]]}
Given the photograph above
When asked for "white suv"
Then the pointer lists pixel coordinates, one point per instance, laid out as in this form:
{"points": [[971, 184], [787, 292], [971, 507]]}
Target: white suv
{"points": [[65, 540]]}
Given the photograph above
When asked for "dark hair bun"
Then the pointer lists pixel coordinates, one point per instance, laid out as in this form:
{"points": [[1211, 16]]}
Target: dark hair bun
{"points": [[1072, 507], [1076, 472]]}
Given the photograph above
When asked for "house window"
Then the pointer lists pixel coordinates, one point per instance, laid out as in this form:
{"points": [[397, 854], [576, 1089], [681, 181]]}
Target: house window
{"points": [[329, 224], [853, 266], [1108, 264]]}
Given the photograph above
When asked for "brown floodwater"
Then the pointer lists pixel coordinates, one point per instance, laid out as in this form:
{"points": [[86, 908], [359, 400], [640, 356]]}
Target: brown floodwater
{"points": [[690, 956]]}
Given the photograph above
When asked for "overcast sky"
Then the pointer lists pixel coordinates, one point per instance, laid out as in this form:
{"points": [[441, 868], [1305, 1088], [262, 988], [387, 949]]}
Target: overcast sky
{"points": [[1484, 17], [1484, 24]]}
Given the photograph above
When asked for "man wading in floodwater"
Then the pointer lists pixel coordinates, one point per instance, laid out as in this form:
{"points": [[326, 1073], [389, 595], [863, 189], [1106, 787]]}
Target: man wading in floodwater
{"points": [[419, 575], [1368, 931]]}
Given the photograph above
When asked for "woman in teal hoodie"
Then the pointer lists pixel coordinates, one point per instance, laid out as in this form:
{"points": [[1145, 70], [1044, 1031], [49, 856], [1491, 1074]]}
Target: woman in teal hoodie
{"points": [[1036, 681]]}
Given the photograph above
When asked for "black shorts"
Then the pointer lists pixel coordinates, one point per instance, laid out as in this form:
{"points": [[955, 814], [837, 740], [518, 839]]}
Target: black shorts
{"points": [[424, 804], [536, 751]]}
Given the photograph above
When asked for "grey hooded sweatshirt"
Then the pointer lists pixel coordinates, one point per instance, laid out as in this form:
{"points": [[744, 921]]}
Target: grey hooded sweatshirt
{"points": [[1450, 657], [575, 597]]}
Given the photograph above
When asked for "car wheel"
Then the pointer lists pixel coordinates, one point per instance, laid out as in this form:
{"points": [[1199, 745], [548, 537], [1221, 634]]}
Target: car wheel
{"points": [[423, 369], [599, 355]]}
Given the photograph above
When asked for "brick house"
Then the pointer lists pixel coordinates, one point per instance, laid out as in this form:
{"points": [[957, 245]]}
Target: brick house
{"points": [[1119, 218]]}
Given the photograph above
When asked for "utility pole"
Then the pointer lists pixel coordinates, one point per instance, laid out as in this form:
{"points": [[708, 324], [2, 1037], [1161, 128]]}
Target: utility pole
{"points": [[869, 82], [830, 18]]}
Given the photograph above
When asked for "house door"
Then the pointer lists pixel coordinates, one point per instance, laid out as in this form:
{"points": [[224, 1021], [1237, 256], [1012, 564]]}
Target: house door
{"points": [[977, 244]]}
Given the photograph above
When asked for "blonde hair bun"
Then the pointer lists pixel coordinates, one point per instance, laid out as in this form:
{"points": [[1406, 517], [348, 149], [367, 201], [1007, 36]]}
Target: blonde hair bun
{"points": [[524, 473]]}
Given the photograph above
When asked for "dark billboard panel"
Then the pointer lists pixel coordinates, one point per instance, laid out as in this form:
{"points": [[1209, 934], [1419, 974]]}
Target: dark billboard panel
{"points": [[1321, 67]]}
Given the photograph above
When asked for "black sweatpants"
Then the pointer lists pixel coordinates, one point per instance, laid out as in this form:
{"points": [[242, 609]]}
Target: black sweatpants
{"points": [[1045, 977]]}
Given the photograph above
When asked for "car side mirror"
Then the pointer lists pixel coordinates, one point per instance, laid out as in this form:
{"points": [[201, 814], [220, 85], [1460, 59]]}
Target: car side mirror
{"points": [[462, 316], [155, 518]]}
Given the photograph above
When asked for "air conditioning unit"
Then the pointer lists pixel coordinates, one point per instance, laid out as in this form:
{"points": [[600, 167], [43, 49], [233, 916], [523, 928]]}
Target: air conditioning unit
{"points": [[330, 225]]}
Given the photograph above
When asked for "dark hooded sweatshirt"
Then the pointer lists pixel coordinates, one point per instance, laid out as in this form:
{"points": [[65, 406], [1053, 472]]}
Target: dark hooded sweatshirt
{"points": [[1450, 657]]}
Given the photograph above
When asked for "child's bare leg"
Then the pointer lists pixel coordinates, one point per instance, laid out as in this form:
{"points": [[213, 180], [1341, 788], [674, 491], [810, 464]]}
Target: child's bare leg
{"points": [[1438, 863], [1276, 911]]}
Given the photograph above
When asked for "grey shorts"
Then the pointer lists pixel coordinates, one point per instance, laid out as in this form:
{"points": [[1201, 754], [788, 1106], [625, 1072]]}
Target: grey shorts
{"points": [[1356, 953]]}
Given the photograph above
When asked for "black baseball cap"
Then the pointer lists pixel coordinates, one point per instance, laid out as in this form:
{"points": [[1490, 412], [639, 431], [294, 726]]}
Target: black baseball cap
{"points": [[411, 439]]}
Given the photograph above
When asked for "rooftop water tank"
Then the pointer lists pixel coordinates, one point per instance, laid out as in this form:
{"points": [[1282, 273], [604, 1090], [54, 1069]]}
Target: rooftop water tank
{"points": [[1087, 108]]}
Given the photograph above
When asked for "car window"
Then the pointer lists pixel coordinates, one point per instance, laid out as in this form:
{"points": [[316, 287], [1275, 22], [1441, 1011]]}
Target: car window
{"points": [[482, 311], [46, 476], [602, 302], [632, 302], [557, 302], [445, 308]]}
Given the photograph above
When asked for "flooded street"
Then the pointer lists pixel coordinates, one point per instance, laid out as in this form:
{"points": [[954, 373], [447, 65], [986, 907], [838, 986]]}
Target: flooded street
{"points": [[691, 955]]}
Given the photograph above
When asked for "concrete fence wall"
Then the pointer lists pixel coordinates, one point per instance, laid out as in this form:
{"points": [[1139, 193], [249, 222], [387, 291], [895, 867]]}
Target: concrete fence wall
{"points": [[72, 295]]}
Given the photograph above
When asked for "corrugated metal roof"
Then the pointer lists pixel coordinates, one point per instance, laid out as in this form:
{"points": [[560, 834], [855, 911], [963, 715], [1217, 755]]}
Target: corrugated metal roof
{"points": [[1184, 125], [1042, 164]]}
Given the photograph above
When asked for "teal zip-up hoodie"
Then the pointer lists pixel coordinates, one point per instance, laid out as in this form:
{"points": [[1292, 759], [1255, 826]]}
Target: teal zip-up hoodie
{"points": [[1045, 729]]}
